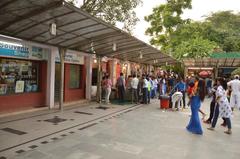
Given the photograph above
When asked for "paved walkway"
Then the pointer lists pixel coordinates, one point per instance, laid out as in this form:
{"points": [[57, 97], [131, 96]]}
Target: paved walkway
{"points": [[129, 132]]}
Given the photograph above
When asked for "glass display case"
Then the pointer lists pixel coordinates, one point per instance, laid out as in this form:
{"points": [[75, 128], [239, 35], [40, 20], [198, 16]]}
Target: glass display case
{"points": [[18, 76]]}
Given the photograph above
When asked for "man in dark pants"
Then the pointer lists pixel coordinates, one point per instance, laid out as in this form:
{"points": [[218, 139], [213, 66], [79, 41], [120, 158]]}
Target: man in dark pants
{"points": [[134, 86], [121, 87], [212, 105]]}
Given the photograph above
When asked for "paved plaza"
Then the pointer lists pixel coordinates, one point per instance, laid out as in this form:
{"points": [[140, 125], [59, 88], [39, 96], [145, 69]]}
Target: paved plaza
{"points": [[119, 132]]}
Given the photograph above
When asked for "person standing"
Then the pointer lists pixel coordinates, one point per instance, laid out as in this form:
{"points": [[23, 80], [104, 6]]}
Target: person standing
{"points": [[181, 87], [134, 85], [234, 86], [149, 88], [213, 103], [222, 107], [145, 89], [155, 86], [121, 87], [108, 88], [197, 96]]}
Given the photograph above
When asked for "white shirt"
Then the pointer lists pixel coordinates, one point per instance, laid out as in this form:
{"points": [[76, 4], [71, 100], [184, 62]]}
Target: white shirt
{"points": [[155, 82], [134, 82], [235, 86], [145, 83]]}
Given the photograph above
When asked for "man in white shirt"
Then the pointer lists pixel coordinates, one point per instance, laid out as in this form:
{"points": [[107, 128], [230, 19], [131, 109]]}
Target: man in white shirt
{"points": [[145, 89], [134, 85], [234, 85]]}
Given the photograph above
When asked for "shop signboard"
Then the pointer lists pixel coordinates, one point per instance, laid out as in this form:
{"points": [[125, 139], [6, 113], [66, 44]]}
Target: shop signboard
{"points": [[39, 53], [17, 50], [73, 58], [12, 49]]}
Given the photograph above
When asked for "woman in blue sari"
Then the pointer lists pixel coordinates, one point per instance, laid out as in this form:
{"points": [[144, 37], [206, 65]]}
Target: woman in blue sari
{"points": [[197, 95]]}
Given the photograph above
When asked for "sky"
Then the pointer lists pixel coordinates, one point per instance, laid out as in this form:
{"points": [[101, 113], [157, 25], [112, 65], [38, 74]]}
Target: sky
{"points": [[200, 8]]}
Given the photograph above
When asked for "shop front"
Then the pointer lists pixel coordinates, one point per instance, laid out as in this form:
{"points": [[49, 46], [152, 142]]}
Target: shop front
{"points": [[74, 77], [23, 76]]}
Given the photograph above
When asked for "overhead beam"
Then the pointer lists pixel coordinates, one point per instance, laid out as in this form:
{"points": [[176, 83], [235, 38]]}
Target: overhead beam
{"points": [[233, 61], [81, 35], [95, 39], [125, 50], [138, 54], [7, 3], [130, 43], [150, 59], [129, 52], [31, 14], [71, 32], [41, 22], [106, 43], [37, 35]]}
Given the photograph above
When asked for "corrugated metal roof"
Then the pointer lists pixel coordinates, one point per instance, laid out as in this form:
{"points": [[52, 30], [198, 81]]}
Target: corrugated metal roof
{"points": [[76, 30]]}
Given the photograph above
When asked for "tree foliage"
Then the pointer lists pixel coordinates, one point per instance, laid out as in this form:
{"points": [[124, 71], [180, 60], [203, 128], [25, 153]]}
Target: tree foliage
{"points": [[191, 39], [236, 72], [164, 21], [113, 11], [225, 24], [194, 48]]}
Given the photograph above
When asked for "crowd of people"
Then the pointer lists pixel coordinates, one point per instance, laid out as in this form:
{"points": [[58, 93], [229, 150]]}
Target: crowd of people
{"points": [[142, 89], [225, 94]]}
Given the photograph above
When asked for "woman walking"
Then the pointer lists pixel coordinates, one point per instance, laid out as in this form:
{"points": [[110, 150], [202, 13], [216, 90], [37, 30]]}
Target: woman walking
{"points": [[197, 95], [107, 87], [222, 108]]}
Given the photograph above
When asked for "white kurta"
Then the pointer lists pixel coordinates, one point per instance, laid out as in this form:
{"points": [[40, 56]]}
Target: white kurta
{"points": [[235, 95], [224, 106]]}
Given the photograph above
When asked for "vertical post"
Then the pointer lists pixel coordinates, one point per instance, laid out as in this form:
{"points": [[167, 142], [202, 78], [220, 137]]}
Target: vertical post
{"points": [[185, 72], [51, 77], [88, 63], [99, 89], [215, 72], [62, 52]]}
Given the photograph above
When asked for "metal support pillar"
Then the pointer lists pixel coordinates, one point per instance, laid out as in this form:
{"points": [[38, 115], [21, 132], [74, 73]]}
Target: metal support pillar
{"points": [[62, 52], [99, 89]]}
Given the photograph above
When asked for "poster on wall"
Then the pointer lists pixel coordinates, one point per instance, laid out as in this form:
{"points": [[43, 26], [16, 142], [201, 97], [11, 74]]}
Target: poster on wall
{"points": [[19, 87]]}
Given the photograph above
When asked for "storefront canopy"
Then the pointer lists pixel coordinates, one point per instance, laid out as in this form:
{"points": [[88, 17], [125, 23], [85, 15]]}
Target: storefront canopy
{"points": [[76, 30], [212, 62]]}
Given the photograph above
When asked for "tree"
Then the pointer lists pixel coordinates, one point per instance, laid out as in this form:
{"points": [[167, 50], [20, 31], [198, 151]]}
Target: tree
{"points": [[194, 48], [189, 41], [113, 11], [164, 20], [236, 72], [225, 25]]}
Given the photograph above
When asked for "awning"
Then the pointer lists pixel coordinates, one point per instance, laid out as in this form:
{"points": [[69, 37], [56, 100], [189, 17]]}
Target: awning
{"points": [[76, 30], [226, 55], [212, 62]]}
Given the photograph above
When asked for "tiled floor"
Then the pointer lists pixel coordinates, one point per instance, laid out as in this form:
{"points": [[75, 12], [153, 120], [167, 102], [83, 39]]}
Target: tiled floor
{"points": [[122, 132]]}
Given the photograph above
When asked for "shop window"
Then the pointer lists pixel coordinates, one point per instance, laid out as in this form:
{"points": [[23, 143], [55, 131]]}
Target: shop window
{"points": [[75, 76], [18, 76]]}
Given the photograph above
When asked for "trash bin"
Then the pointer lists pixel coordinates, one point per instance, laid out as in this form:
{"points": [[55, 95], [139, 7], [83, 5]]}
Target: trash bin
{"points": [[164, 101]]}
